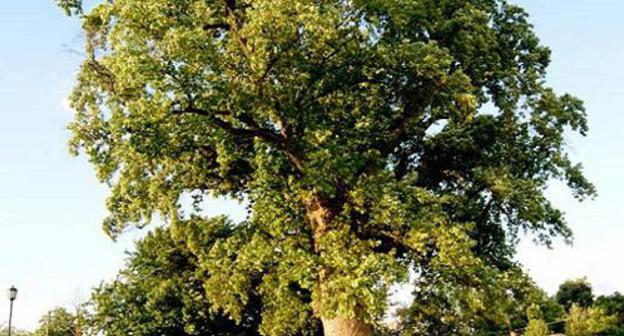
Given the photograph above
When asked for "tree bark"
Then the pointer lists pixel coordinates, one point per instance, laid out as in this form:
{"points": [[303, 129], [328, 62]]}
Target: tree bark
{"points": [[320, 217], [346, 327]]}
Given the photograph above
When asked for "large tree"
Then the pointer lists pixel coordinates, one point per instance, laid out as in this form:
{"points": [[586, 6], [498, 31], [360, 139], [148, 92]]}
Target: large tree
{"points": [[368, 138]]}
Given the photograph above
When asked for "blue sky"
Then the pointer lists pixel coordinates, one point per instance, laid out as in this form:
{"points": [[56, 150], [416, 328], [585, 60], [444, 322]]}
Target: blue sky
{"points": [[51, 244], [587, 39]]}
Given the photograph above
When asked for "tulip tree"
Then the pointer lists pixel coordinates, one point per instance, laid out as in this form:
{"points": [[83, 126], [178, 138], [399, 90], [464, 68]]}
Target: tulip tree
{"points": [[370, 139]]}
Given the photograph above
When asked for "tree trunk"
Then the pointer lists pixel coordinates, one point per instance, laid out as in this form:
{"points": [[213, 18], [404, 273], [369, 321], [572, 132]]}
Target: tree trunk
{"points": [[320, 217], [345, 327]]}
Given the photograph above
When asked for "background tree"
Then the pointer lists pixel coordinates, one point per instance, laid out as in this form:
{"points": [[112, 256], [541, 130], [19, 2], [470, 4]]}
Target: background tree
{"points": [[4, 331], [613, 305], [587, 321], [536, 325], [577, 292], [59, 322], [370, 139], [440, 311], [160, 292]]}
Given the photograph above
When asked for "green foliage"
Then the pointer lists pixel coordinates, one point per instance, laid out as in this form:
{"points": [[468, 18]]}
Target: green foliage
{"points": [[444, 307], [587, 321], [59, 322], [613, 305], [160, 292], [71, 7], [356, 131], [536, 325], [537, 328], [577, 292], [5, 331]]}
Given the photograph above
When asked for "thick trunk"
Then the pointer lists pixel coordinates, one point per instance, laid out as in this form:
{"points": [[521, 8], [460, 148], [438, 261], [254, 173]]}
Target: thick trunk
{"points": [[346, 327], [320, 217]]}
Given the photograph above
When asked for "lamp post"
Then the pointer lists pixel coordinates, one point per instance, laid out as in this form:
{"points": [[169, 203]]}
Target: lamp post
{"points": [[12, 297]]}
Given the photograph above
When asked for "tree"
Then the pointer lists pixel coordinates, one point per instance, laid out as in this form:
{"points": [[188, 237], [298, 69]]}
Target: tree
{"points": [[369, 138], [613, 305], [5, 331], [160, 292], [452, 308], [536, 325], [587, 321], [59, 322], [577, 291]]}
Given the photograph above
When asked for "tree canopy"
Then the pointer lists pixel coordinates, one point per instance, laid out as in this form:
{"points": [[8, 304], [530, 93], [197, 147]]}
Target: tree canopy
{"points": [[447, 308], [370, 139], [160, 292], [587, 321], [578, 291], [60, 322], [613, 305]]}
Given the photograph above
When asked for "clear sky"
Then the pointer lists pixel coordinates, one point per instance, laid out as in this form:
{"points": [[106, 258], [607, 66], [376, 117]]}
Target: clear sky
{"points": [[51, 244]]}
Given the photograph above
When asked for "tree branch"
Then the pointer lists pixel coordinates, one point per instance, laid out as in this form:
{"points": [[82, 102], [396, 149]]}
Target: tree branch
{"points": [[253, 130], [213, 26], [230, 5]]}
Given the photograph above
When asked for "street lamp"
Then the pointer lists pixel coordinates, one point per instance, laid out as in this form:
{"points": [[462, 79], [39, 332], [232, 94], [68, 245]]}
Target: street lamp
{"points": [[12, 297]]}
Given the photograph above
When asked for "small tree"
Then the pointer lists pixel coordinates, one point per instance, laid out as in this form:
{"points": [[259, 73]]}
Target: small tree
{"points": [[59, 322], [536, 325]]}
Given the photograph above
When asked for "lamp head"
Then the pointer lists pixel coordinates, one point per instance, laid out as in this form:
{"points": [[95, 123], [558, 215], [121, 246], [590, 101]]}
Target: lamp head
{"points": [[12, 293]]}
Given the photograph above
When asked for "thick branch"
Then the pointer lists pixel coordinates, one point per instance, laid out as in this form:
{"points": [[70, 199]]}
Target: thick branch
{"points": [[400, 130], [253, 130], [108, 78]]}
